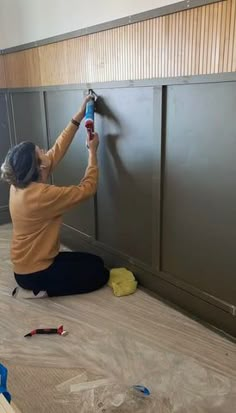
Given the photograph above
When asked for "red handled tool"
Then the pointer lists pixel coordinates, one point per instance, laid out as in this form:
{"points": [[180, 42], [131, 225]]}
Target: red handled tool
{"points": [[60, 330]]}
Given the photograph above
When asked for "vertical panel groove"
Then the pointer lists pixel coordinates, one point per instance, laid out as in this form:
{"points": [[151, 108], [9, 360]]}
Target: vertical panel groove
{"points": [[156, 176], [162, 168]]}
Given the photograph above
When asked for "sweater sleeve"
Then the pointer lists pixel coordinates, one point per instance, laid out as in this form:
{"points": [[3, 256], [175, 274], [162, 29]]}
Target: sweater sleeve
{"points": [[56, 153], [56, 200]]}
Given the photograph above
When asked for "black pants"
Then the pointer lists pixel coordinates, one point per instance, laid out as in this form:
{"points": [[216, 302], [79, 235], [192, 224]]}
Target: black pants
{"points": [[70, 273]]}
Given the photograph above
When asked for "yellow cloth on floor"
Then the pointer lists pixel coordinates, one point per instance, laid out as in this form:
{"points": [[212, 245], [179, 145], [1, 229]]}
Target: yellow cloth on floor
{"points": [[122, 282]]}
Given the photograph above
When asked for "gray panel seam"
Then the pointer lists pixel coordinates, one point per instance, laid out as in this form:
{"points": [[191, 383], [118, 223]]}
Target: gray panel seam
{"points": [[172, 81], [156, 175]]}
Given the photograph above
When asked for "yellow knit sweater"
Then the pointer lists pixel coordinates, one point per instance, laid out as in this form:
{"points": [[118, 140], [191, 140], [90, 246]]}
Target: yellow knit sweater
{"points": [[37, 210]]}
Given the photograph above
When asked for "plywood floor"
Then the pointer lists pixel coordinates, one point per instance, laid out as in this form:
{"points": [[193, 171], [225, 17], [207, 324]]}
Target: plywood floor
{"points": [[112, 344]]}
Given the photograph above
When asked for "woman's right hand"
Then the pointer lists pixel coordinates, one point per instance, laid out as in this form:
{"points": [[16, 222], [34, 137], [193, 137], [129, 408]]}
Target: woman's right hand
{"points": [[92, 144]]}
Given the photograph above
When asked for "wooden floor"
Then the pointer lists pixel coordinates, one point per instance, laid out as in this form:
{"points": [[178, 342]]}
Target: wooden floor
{"points": [[112, 344], [5, 407]]}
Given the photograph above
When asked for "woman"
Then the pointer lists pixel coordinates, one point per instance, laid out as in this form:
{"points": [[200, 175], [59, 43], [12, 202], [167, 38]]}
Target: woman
{"points": [[36, 210]]}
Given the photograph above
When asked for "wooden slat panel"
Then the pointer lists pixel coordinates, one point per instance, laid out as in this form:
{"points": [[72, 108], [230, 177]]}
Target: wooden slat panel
{"points": [[180, 45], [76, 61], [152, 49], [227, 35], [2, 73], [187, 43], [159, 45], [22, 69], [222, 30], [176, 35], [183, 46], [162, 47], [217, 49], [194, 66], [212, 55], [233, 69], [210, 39], [232, 36], [54, 63], [172, 45], [192, 42]]}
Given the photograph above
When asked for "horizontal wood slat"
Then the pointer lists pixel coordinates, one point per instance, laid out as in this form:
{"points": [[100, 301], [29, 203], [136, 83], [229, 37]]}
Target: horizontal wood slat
{"points": [[193, 42]]}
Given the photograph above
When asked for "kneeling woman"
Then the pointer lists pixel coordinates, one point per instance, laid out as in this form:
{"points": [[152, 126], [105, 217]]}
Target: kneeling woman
{"points": [[36, 210]]}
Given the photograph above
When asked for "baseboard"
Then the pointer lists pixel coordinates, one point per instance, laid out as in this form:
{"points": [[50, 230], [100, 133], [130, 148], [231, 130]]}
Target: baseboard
{"points": [[220, 318], [4, 215]]}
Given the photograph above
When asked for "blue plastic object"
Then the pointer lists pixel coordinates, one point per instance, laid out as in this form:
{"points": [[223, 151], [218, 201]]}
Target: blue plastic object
{"points": [[142, 389], [89, 114], [3, 383]]}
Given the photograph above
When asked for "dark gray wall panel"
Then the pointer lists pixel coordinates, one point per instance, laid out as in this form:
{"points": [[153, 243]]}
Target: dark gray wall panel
{"points": [[202, 309], [199, 211], [5, 217], [29, 118], [60, 107], [127, 155], [4, 146]]}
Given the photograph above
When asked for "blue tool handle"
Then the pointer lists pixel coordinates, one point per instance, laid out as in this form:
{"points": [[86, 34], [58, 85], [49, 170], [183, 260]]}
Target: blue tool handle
{"points": [[3, 383]]}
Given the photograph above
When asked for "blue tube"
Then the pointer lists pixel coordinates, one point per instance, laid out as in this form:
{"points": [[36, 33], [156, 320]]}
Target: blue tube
{"points": [[89, 114], [3, 383]]}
